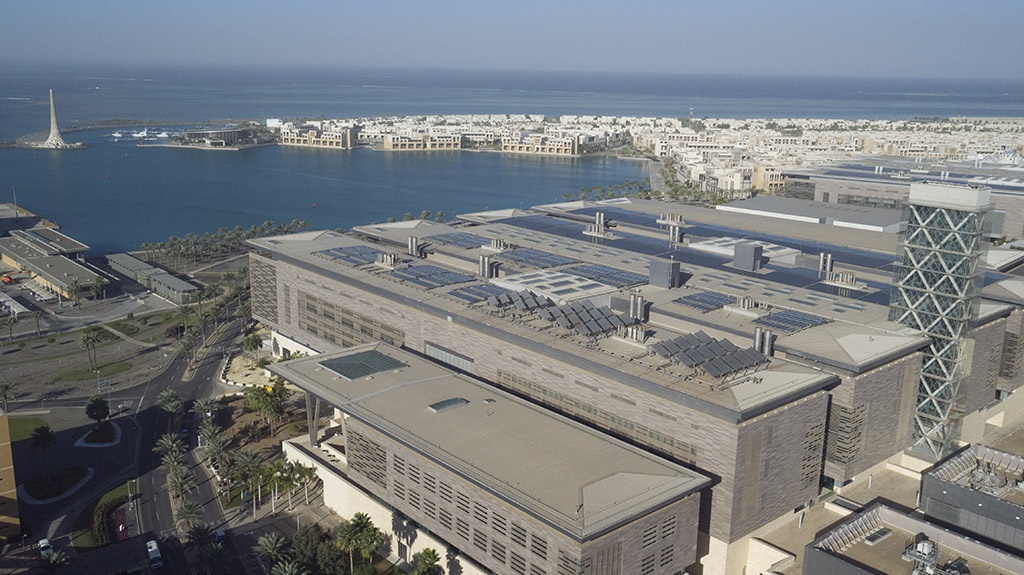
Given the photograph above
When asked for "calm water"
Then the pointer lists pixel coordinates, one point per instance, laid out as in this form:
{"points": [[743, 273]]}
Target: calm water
{"points": [[154, 193]]}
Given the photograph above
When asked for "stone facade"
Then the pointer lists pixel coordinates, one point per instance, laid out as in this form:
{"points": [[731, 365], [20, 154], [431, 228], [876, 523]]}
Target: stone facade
{"points": [[765, 466]]}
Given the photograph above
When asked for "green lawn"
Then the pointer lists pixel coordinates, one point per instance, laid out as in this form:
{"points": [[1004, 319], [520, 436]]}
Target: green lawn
{"points": [[126, 327], [52, 484], [22, 427], [81, 535], [84, 373]]}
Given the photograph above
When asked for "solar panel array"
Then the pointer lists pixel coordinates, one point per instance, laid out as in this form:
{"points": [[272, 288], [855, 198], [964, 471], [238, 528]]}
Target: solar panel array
{"points": [[429, 276], [522, 301], [790, 321], [462, 240], [718, 357], [536, 258], [355, 255], [585, 318], [473, 294], [607, 276], [706, 301]]}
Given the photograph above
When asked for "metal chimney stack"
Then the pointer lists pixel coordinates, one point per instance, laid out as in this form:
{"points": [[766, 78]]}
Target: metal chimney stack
{"points": [[637, 304], [758, 339], [485, 267], [414, 246]]}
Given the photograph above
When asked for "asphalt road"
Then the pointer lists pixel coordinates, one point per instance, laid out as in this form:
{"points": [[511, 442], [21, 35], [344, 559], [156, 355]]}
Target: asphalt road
{"points": [[155, 511]]}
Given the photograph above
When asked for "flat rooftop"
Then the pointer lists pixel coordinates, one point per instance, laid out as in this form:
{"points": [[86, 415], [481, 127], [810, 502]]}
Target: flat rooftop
{"points": [[581, 481], [986, 470], [438, 286], [839, 215], [878, 537], [901, 171]]}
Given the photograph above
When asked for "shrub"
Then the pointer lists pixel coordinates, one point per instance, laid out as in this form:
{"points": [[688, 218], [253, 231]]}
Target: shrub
{"points": [[51, 339], [131, 316], [21, 344], [101, 520], [263, 362]]}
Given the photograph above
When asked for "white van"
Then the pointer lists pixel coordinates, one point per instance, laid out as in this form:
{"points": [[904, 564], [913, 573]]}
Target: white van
{"points": [[153, 550]]}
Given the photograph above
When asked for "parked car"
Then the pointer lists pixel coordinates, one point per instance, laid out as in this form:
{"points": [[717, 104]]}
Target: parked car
{"points": [[45, 549]]}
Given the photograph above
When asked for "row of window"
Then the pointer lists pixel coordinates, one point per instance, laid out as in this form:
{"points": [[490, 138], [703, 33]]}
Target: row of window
{"points": [[342, 325], [625, 427]]}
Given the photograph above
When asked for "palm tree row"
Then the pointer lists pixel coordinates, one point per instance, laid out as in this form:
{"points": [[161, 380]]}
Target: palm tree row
{"points": [[313, 549], [224, 242]]}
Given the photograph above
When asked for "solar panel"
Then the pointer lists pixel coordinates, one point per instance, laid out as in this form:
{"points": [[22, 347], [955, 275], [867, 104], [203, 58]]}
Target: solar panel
{"points": [[607, 276], [706, 301], [473, 294], [355, 255], [535, 258], [790, 321], [462, 240], [429, 276]]}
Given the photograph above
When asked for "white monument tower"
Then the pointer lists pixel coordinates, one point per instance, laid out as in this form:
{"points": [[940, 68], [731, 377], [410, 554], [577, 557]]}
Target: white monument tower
{"points": [[54, 140]]}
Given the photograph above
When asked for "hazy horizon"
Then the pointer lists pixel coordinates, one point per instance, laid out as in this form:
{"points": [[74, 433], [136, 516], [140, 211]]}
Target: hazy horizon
{"points": [[871, 39]]}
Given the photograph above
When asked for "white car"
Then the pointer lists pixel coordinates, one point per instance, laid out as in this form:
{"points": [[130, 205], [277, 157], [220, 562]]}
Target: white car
{"points": [[45, 549]]}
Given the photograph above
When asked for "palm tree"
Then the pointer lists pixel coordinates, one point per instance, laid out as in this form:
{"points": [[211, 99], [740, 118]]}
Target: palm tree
{"points": [[253, 342], [44, 438], [272, 548], [217, 448], [203, 405], [247, 464], [207, 429], [207, 557], [348, 539], [290, 567], [370, 539], [169, 401], [188, 514], [88, 342], [173, 459], [200, 534], [180, 481], [10, 321], [183, 312], [427, 563], [96, 289], [7, 393], [74, 290], [168, 443], [38, 316]]}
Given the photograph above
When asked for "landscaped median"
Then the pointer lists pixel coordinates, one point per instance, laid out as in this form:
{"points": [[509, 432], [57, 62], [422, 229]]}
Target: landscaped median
{"points": [[94, 527]]}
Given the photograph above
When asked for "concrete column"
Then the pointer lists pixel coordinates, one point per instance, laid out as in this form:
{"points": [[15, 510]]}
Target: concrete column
{"points": [[312, 417]]}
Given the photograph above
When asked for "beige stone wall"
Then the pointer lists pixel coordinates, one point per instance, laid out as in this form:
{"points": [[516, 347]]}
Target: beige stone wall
{"points": [[702, 440]]}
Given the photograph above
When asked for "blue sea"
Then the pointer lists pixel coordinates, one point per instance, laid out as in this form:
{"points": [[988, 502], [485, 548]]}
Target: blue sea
{"points": [[153, 193]]}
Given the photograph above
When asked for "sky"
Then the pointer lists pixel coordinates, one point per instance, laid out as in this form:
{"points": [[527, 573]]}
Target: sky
{"points": [[916, 38]]}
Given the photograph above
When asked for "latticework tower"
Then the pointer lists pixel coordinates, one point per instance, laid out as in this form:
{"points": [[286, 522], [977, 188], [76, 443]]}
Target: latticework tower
{"points": [[936, 281]]}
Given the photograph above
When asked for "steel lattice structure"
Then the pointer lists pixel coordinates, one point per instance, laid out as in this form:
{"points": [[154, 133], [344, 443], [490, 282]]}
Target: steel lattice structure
{"points": [[936, 280]]}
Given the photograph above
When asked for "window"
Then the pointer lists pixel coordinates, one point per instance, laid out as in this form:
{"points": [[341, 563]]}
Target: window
{"points": [[414, 499], [535, 570], [497, 551], [480, 540], [462, 502], [666, 556], [518, 535], [399, 465], [498, 524], [539, 547], [449, 357], [518, 563], [462, 528], [650, 537], [445, 491], [429, 509], [480, 513], [399, 490], [647, 566], [444, 517], [414, 474], [429, 483], [668, 527]]}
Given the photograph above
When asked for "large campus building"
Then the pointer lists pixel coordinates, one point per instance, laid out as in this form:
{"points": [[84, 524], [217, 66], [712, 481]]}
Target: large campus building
{"points": [[742, 348]]}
